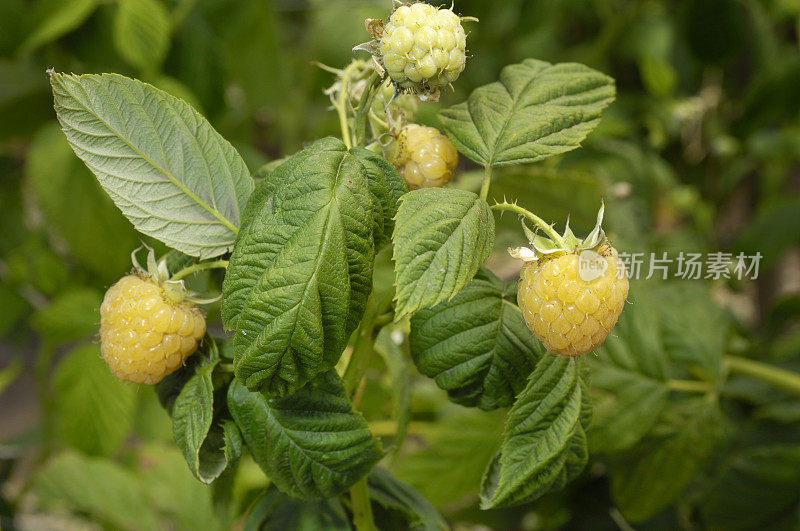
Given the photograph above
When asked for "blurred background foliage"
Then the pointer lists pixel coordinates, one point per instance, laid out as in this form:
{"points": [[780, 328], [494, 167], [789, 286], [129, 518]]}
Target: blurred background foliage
{"points": [[700, 152]]}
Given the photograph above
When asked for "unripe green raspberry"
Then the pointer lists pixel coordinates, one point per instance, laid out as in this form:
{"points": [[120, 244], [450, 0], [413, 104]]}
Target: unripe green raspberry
{"points": [[569, 315], [147, 332], [423, 156], [423, 48]]}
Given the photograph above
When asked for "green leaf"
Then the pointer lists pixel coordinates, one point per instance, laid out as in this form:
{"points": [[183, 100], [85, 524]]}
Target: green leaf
{"points": [[629, 377], [386, 187], [476, 346], [275, 511], [397, 503], [698, 332], [192, 415], [56, 18], [756, 488], [142, 32], [311, 444], [442, 237], [544, 442], [72, 315], [101, 488], [93, 409], [77, 210], [301, 272], [164, 166], [651, 476], [447, 468], [535, 111], [172, 488]]}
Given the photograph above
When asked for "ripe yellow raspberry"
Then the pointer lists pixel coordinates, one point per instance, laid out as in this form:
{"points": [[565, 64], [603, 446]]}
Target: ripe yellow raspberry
{"points": [[569, 309], [423, 48], [146, 331], [423, 156]]}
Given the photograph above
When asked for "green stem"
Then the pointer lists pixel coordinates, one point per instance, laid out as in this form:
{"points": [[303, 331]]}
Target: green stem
{"points": [[689, 386], [362, 349], [362, 508], [781, 378], [341, 109], [539, 222], [196, 268], [364, 106], [487, 180]]}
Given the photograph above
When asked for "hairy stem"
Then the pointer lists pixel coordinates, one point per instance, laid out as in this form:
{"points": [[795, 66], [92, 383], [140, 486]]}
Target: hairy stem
{"points": [[360, 124], [361, 506], [781, 378], [536, 220], [196, 268], [487, 180]]}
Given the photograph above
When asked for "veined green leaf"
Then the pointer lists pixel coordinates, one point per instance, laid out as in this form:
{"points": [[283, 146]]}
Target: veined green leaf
{"points": [[649, 477], [544, 444], [301, 271], [275, 511], [161, 162], [535, 111], [397, 503], [93, 409], [311, 444], [142, 32], [442, 237], [629, 378], [476, 346], [386, 187]]}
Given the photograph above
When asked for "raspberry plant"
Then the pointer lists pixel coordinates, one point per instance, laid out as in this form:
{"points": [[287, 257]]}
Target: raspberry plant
{"points": [[304, 315]]}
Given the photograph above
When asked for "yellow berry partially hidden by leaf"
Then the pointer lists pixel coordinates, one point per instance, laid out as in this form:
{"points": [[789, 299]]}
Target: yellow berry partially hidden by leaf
{"points": [[147, 332], [423, 156], [572, 301]]}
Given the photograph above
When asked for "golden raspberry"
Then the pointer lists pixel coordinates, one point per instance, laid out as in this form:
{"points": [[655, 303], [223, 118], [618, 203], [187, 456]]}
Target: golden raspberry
{"points": [[423, 47], [569, 315], [145, 333], [423, 156]]}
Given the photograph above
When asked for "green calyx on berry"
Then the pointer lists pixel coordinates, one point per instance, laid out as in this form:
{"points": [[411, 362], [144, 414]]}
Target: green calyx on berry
{"points": [[172, 286], [559, 244], [422, 48]]}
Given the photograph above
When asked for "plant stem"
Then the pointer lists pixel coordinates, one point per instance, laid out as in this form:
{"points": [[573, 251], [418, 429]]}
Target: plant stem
{"points": [[689, 386], [362, 350], [362, 508], [196, 268], [539, 222], [487, 180], [341, 109], [781, 378], [360, 124]]}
